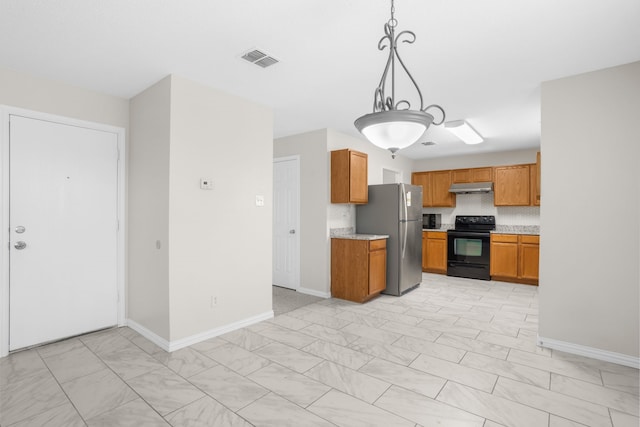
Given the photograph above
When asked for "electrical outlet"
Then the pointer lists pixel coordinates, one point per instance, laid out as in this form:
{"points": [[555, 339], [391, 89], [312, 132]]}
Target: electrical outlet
{"points": [[260, 201], [214, 301]]}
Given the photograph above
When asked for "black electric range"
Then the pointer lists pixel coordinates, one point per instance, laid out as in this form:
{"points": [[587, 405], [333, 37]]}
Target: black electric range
{"points": [[469, 246]]}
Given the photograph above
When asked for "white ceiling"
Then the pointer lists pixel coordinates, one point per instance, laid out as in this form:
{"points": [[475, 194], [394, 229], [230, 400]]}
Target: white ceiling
{"points": [[482, 61]]}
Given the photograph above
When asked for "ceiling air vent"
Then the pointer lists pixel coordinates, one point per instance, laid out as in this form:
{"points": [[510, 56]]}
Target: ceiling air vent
{"points": [[259, 58]]}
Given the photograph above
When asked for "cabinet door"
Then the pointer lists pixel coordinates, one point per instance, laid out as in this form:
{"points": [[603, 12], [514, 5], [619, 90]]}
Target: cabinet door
{"points": [[440, 184], [349, 269], [504, 259], [349, 177], [437, 254], [535, 197], [358, 189], [512, 186], [422, 178], [424, 251], [377, 271], [535, 182], [528, 257], [529, 260], [481, 174], [461, 176]]}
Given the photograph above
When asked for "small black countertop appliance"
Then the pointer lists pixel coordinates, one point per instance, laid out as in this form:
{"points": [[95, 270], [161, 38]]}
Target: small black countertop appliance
{"points": [[431, 221], [469, 245]]}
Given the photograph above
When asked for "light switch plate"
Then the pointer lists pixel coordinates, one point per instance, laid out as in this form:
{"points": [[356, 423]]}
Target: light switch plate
{"points": [[206, 184], [259, 200]]}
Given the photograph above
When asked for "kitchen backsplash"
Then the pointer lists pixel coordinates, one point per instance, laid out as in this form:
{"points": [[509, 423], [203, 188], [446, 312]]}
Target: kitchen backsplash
{"points": [[482, 204], [342, 216]]}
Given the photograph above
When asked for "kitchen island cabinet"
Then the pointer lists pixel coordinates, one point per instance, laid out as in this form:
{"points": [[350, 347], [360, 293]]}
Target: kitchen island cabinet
{"points": [[434, 252], [515, 258], [349, 177], [358, 268]]}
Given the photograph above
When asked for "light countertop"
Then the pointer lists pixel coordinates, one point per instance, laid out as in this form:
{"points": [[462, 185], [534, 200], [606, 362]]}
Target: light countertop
{"points": [[361, 236]]}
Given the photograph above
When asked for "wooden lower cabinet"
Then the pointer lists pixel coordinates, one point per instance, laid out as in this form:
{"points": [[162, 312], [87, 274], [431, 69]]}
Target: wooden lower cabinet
{"points": [[515, 258], [434, 252], [358, 268]]}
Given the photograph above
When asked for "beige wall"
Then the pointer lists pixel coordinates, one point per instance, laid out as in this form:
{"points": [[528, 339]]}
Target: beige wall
{"points": [[48, 96], [317, 214], [314, 190], [220, 240], [477, 160], [148, 293], [590, 211]]}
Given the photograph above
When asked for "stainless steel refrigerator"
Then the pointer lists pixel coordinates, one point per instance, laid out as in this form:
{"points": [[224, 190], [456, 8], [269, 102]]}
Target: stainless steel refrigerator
{"points": [[396, 210]]}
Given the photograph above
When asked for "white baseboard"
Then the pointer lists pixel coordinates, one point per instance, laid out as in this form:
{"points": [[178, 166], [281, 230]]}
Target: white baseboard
{"points": [[594, 353], [194, 339], [314, 293], [151, 336]]}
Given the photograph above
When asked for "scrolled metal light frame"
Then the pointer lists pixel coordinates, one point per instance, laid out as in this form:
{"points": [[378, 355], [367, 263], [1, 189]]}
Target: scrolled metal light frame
{"points": [[385, 108]]}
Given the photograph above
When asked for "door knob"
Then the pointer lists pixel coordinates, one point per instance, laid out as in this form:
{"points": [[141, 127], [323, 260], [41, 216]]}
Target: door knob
{"points": [[292, 231], [20, 229], [20, 245]]}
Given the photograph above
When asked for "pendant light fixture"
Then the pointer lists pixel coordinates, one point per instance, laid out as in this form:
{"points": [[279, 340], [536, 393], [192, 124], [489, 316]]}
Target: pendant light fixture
{"points": [[393, 125]]}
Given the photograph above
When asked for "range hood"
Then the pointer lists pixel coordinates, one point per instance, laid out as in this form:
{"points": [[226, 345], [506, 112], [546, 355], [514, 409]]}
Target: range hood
{"points": [[472, 187]]}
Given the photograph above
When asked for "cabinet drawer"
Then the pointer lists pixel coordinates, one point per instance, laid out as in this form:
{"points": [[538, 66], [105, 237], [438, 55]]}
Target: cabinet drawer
{"points": [[436, 235], [377, 244], [505, 238], [529, 238]]}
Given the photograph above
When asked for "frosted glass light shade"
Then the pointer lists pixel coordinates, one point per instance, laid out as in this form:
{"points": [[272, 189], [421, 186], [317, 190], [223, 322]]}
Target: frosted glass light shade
{"points": [[464, 131], [396, 129]]}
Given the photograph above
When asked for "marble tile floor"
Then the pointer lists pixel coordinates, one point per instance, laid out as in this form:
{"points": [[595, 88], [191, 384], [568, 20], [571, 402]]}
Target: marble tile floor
{"points": [[285, 300], [453, 352]]}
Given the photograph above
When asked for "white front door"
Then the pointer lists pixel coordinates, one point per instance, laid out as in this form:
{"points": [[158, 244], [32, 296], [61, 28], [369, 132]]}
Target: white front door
{"points": [[286, 229], [63, 231]]}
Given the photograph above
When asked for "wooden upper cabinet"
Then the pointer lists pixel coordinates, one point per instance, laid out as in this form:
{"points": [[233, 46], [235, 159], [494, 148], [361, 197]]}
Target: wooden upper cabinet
{"points": [[422, 178], [461, 176], [440, 182], [535, 182], [349, 177], [512, 185], [435, 188]]}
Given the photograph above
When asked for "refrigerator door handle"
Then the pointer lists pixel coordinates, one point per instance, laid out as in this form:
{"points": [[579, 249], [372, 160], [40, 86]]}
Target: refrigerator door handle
{"points": [[404, 238], [404, 219]]}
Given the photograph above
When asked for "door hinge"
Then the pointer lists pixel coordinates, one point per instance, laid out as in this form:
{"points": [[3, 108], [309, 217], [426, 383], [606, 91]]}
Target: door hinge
{"points": [[118, 151], [117, 225]]}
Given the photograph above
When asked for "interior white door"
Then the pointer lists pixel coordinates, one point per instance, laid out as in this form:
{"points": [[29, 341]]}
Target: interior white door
{"points": [[286, 240], [63, 208]]}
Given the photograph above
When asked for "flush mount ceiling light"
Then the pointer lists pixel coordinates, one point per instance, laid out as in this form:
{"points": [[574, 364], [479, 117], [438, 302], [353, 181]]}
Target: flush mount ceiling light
{"points": [[393, 125], [464, 131]]}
